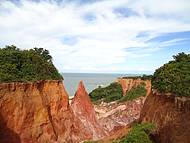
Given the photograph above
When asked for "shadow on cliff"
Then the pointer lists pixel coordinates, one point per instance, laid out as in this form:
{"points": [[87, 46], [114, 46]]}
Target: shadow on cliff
{"points": [[7, 135]]}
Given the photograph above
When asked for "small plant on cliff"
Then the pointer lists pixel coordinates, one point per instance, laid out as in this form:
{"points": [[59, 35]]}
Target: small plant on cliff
{"points": [[107, 94], [174, 77], [26, 65], [139, 134], [134, 93]]}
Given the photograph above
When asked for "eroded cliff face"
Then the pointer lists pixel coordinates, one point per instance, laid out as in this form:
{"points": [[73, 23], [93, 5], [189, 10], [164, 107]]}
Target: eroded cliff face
{"points": [[129, 83], [113, 116], [170, 114], [84, 110], [38, 112]]}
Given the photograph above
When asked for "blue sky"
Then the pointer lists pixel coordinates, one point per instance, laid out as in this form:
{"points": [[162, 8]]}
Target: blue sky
{"points": [[99, 36]]}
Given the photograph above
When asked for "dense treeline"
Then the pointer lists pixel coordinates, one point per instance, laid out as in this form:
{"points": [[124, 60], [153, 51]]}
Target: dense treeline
{"points": [[26, 65], [174, 77]]}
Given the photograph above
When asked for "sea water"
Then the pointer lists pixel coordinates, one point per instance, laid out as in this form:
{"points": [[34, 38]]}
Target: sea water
{"points": [[90, 80]]}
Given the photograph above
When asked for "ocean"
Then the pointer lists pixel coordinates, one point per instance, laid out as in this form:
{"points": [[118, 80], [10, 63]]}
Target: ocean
{"points": [[90, 80]]}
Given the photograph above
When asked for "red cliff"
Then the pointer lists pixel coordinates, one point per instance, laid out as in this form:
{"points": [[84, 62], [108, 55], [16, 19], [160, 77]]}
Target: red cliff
{"points": [[84, 110], [171, 116], [38, 112], [129, 83]]}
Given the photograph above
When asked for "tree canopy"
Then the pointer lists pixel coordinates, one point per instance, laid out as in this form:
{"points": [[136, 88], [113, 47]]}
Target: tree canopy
{"points": [[26, 65], [174, 77]]}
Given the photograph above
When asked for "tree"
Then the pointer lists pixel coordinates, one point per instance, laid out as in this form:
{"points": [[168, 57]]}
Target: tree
{"points": [[44, 53], [174, 77], [26, 65]]}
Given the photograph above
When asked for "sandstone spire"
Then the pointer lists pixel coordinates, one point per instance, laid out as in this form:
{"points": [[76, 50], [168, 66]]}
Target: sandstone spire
{"points": [[84, 110]]}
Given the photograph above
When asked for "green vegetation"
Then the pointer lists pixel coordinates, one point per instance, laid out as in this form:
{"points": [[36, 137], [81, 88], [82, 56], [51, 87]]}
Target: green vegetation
{"points": [[174, 77], [139, 134], [143, 77], [134, 93], [90, 141], [107, 94], [114, 92], [26, 65]]}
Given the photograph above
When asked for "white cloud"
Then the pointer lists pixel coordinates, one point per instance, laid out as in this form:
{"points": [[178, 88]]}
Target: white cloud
{"points": [[100, 43]]}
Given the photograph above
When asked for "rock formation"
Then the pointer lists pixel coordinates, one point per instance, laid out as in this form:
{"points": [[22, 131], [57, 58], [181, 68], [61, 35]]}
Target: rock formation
{"points": [[113, 116], [84, 110], [128, 83], [171, 116], [38, 112]]}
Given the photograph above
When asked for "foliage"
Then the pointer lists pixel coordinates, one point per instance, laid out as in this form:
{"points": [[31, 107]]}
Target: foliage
{"points": [[134, 93], [90, 141], [143, 77], [26, 65], [110, 93], [139, 134], [174, 77], [146, 77], [114, 92]]}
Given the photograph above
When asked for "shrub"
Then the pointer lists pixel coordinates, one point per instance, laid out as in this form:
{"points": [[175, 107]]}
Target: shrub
{"points": [[174, 77], [90, 141], [146, 77], [143, 77], [107, 94], [139, 134], [134, 93], [26, 65]]}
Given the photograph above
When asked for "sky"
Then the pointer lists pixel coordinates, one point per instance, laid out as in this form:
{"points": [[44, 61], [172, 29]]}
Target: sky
{"points": [[99, 36]]}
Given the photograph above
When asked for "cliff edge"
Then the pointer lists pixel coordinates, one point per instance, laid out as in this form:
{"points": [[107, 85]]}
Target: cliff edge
{"points": [[38, 112], [171, 116]]}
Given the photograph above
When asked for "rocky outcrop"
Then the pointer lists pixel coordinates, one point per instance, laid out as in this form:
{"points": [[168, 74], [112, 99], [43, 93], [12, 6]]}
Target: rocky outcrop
{"points": [[84, 110], [129, 83], [38, 112], [171, 116], [113, 116]]}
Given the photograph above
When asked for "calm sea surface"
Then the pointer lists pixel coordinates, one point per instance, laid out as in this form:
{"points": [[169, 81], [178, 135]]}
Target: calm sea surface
{"points": [[91, 80]]}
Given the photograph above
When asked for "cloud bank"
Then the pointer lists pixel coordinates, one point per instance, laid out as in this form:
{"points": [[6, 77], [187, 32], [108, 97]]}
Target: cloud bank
{"points": [[97, 36]]}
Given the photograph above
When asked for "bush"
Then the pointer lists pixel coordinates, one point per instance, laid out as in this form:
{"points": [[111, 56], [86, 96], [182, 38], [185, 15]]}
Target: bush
{"points": [[143, 77], [174, 77], [110, 93], [90, 141], [134, 93], [26, 65], [139, 134], [146, 77]]}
